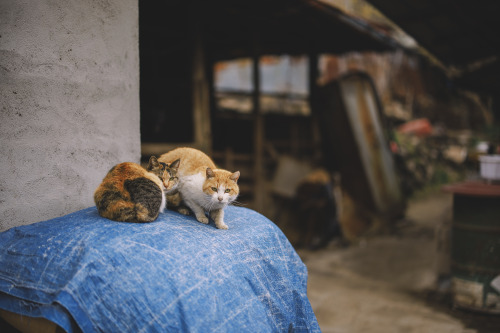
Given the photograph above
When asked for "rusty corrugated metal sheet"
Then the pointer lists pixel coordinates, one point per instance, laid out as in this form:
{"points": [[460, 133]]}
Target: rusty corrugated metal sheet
{"points": [[355, 143]]}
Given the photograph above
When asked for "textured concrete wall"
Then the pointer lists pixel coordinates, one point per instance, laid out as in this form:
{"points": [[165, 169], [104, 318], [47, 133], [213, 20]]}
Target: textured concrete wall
{"points": [[69, 102]]}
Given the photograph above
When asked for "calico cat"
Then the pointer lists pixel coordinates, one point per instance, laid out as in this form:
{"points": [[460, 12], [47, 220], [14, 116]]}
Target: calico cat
{"points": [[202, 187], [131, 193]]}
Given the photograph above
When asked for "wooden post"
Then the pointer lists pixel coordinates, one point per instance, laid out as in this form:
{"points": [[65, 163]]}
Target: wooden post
{"points": [[258, 130], [229, 159], [201, 97], [313, 77], [313, 103]]}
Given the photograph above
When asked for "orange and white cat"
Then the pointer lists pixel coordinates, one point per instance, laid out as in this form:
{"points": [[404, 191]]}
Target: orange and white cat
{"points": [[202, 186]]}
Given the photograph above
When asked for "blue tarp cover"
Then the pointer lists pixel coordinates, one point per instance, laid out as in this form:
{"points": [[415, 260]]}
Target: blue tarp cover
{"points": [[88, 273]]}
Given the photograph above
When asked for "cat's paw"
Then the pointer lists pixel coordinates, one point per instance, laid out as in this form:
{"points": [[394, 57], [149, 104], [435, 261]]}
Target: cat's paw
{"points": [[202, 219], [221, 225], [183, 210]]}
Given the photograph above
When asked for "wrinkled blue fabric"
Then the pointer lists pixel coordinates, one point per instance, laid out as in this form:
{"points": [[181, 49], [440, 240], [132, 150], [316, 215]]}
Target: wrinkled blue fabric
{"points": [[88, 273]]}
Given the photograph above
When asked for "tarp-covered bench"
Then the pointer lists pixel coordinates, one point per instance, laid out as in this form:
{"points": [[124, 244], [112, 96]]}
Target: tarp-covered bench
{"points": [[87, 273]]}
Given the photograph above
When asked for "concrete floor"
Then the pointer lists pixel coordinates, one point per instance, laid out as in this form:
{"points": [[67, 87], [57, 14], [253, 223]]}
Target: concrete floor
{"points": [[389, 283]]}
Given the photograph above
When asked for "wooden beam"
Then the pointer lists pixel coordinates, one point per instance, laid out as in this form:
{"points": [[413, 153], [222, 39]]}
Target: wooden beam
{"points": [[313, 59], [258, 129], [201, 94], [29, 324]]}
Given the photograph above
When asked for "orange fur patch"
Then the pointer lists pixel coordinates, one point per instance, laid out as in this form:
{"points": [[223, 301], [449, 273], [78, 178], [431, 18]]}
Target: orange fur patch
{"points": [[192, 160]]}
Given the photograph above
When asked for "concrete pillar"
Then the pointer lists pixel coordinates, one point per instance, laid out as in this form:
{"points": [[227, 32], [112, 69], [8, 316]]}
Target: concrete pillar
{"points": [[69, 102]]}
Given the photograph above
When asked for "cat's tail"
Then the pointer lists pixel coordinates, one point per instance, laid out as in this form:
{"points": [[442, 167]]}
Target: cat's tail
{"points": [[143, 214], [113, 206]]}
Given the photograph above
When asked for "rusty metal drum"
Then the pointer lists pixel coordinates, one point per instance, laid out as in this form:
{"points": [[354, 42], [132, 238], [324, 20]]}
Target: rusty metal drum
{"points": [[475, 253]]}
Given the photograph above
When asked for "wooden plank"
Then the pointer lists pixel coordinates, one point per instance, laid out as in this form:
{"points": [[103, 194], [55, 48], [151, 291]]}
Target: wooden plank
{"points": [[29, 324], [258, 129], [313, 104], [201, 95]]}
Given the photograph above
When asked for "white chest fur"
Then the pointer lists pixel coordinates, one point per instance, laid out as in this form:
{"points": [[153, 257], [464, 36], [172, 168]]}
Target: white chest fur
{"points": [[163, 199], [191, 189]]}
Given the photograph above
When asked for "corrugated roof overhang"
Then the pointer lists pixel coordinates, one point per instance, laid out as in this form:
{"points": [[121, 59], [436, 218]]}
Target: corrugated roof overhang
{"points": [[459, 33], [231, 28], [285, 26]]}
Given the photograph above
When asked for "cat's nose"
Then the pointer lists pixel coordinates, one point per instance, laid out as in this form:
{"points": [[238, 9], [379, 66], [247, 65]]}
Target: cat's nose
{"points": [[221, 198]]}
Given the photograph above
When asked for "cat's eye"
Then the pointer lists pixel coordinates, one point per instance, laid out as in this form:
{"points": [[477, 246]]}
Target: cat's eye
{"points": [[214, 189], [227, 190], [172, 178]]}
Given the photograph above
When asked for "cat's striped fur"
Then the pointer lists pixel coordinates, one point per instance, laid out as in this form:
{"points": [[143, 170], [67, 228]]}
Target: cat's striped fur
{"points": [[131, 193]]}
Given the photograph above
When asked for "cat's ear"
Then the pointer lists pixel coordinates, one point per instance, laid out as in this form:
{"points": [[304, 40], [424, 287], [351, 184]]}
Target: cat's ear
{"points": [[175, 164], [210, 173], [235, 176], [153, 163]]}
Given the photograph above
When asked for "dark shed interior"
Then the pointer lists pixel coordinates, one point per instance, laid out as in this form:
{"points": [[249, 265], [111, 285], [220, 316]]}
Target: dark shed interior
{"points": [[169, 31], [180, 41], [462, 34]]}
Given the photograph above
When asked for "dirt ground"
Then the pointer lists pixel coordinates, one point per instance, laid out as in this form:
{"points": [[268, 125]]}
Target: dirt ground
{"points": [[389, 283]]}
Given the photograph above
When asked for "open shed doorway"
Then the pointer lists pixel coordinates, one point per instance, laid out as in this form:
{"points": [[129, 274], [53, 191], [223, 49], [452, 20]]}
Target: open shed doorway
{"points": [[165, 50], [287, 126], [183, 50], [168, 117], [168, 34]]}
